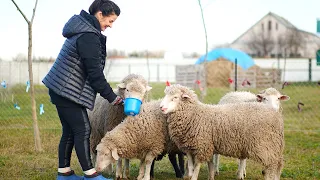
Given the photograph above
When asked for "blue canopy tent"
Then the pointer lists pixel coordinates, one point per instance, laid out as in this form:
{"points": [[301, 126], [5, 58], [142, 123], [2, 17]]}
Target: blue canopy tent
{"points": [[236, 56]]}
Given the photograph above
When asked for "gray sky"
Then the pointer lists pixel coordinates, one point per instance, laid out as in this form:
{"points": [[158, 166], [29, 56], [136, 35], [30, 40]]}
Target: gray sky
{"points": [[171, 25]]}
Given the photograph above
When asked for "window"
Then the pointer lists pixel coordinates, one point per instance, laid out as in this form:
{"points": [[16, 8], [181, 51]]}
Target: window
{"points": [[262, 26], [269, 25], [276, 26]]}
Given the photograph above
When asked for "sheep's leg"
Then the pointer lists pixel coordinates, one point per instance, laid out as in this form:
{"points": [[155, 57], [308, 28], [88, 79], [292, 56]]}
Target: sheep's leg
{"points": [[216, 158], [241, 169], [141, 169], [173, 160], [119, 168], [211, 170], [181, 162], [152, 169], [126, 170], [196, 171], [148, 162], [190, 165]]}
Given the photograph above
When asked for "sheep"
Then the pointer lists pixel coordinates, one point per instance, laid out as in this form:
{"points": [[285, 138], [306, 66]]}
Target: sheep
{"points": [[150, 123], [105, 116], [244, 130], [143, 136], [269, 96]]}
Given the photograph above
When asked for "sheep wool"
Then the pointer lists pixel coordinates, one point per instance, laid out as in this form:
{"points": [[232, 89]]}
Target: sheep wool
{"points": [[105, 116], [244, 130], [143, 136]]}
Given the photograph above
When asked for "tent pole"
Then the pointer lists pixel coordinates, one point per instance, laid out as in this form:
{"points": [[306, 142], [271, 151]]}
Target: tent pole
{"points": [[235, 75]]}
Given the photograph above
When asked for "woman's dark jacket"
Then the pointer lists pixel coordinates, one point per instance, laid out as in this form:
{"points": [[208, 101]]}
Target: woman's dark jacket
{"points": [[77, 74]]}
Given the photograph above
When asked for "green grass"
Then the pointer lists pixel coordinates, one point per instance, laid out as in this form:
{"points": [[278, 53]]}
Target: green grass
{"points": [[18, 159]]}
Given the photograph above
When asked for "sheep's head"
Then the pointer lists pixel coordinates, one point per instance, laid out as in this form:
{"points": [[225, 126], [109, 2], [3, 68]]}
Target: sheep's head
{"points": [[175, 95], [134, 86], [272, 97], [105, 156]]}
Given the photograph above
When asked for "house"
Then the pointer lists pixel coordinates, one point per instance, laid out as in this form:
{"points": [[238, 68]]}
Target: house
{"points": [[274, 36]]}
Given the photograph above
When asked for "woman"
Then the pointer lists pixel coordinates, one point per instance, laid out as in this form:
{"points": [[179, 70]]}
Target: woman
{"points": [[74, 80]]}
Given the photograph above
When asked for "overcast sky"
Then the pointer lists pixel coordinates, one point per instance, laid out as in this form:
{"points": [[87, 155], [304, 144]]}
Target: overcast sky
{"points": [[170, 25]]}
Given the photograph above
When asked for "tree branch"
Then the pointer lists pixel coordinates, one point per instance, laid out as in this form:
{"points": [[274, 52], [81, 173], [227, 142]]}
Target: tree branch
{"points": [[24, 16], [34, 11], [205, 30]]}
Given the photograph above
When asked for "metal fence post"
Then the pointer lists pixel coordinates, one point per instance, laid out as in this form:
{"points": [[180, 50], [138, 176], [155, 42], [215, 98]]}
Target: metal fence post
{"points": [[310, 70]]}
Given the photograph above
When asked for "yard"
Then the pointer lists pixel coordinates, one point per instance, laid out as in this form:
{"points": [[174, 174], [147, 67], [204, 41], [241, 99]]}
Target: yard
{"points": [[18, 160]]}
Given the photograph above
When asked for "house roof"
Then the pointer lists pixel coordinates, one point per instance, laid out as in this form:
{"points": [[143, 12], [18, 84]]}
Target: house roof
{"points": [[281, 20]]}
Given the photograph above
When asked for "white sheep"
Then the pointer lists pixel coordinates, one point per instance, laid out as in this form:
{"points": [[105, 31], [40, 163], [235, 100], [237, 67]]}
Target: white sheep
{"points": [[143, 136], [105, 116], [244, 130], [269, 96]]}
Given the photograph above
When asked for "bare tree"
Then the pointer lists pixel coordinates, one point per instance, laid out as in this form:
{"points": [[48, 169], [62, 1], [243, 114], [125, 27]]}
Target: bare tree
{"points": [[204, 91], [33, 101], [262, 43], [292, 40]]}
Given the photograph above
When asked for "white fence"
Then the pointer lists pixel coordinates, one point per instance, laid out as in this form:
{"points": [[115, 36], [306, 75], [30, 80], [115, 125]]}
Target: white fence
{"points": [[155, 70]]}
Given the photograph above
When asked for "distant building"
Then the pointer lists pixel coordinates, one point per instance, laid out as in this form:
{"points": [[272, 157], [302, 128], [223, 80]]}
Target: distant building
{"points": [[274, 36]]}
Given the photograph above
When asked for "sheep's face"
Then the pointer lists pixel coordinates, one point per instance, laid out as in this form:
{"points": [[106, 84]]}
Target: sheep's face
{"points": [[105, 157], [174, 95], [171, 101], [272, 100], [133, 89]]}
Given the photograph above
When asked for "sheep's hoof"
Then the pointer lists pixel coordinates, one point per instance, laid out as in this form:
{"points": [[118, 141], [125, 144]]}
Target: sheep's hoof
{"points": [[216, 173], [240, 176]]}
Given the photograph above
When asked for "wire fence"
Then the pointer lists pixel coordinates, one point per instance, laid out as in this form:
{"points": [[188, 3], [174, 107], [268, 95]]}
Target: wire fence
{"points": [[297, 80]]}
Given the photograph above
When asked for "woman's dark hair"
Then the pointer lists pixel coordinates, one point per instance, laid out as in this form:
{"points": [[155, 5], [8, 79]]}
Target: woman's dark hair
{"points": [[107, 7]]}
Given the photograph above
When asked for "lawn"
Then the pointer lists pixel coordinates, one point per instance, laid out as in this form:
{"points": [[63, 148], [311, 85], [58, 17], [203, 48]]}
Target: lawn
{"points": [[18, 160]]}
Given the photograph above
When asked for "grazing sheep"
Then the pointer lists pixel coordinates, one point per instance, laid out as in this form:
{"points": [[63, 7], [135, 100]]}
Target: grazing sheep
{"points": [[143, 136], [105, 116], [245, 130], [149, 124], [269, 96]]}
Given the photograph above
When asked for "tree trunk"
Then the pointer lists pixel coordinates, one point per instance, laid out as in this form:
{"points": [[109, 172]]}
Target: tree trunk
{"points": [[33, 101]]}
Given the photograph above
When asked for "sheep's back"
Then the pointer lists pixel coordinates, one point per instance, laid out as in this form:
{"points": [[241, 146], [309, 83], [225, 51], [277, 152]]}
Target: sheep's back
{"points": [[103, 118], [226, 129], [238, 97], [145, 132]]}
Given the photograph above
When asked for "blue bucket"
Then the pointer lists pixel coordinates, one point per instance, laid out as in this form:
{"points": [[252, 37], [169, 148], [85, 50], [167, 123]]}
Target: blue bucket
{"points": [[132, 106]]}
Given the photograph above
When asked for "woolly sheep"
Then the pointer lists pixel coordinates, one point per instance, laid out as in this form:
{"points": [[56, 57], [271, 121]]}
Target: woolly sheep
{"points": [[269, 96], [245, 130], [105, 116], [143, 136]]}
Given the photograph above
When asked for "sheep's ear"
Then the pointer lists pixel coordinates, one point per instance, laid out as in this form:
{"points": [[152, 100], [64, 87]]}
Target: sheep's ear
{"points": [[284, 98], [185, 96], [99, 147], [114, 154], [121, 85], [259, 97], [148, 88]]}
